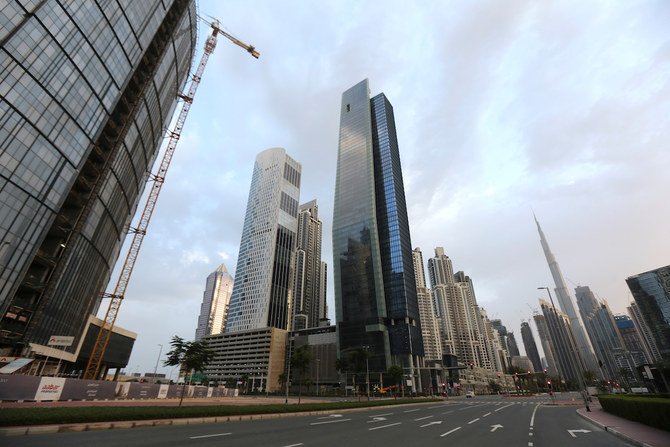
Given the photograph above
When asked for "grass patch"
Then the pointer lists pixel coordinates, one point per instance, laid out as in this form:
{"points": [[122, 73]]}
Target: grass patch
{"points": [[653, 411], [73, 415]]}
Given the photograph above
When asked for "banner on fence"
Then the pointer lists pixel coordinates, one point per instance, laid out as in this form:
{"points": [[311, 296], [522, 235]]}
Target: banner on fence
{"points": [[50, 388]]}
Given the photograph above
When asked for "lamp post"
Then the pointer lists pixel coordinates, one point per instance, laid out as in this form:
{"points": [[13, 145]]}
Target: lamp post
{"points": [[317, 376], [160, 351], [581, 372]]}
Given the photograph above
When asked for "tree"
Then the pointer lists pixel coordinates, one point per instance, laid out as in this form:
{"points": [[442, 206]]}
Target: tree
{"points": [[495, 386], [300, 361], [189, 355], [589, 376], [396, 374]]}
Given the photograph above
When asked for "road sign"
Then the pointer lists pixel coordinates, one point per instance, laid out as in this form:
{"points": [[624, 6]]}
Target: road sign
{"points": [[60, 340]]}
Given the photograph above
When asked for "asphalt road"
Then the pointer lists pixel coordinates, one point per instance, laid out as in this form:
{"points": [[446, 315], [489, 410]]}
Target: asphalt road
{"points": [[483, 421]]}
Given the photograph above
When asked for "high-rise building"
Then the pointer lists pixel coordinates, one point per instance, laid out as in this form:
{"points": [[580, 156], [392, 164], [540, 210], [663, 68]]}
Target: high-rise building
{"points": [[648, 342], [264, 274], [530, 346], [651, 291], [512, 345], [86, 91], [563, 343], [459, 316], [601, 329], [375, 290], [631, 339], [547, 346], [215, 302], [309, 304], [429, 331], [566, 304]]}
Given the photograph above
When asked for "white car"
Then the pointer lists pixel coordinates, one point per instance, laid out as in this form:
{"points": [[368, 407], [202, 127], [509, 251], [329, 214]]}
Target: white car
{"points": [[470, 394]]}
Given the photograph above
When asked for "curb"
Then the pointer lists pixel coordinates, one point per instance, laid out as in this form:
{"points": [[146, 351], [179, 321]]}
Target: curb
{"points": [[618, 434], [90, 426]]}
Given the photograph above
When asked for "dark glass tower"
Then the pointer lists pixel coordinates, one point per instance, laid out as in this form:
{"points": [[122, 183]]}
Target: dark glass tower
{"points": [[86, 91], [651, 291], [375, 288], [531, 347]]}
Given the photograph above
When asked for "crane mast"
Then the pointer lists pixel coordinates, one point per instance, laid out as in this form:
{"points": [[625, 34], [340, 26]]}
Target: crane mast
{"points": [[116, 298]]}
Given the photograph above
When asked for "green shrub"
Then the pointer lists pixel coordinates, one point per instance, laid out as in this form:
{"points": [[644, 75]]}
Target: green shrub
{"points": [[73, 415], [653, 411]]}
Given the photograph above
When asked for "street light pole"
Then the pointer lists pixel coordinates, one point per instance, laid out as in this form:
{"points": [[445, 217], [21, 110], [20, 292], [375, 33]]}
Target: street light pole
{"points": [[317, 376], [160, 351], [581, 372]]}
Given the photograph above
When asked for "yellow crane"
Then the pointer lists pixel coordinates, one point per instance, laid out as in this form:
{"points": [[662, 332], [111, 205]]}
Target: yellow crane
{"points": [[116, 298]]}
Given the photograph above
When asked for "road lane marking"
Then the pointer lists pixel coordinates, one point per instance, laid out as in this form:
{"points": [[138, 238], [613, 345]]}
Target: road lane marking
{"points": [[449, 432], [210, 436], [380, 415], [425, 417], [377, 419], [530, 434], [487, 414], [495, 427], [293, 445], [530, 444], [448, 412], [474, 420], [331, 416], [431, 423], [532, 418], [439, 406], [502, 408], [412, 411], [334, 421], [384, 426]]}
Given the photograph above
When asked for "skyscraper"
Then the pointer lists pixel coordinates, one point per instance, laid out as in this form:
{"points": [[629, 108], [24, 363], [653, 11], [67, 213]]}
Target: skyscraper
{"points": [[375, 290], [429, 331], [86, 91], [530, 346], [512, 345], [215, 301], [648, 342], [601, 329], [651, 291], [547, 347], [264, 275], [309, 300], [563, 343], [567, 306]]}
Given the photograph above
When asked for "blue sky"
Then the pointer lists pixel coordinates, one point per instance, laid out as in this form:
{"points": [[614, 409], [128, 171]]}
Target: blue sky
{"points": [[502, 108]]}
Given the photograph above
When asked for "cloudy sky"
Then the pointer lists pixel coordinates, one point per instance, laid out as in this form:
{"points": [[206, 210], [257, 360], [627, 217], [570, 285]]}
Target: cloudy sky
{"points": [[502, 108]]}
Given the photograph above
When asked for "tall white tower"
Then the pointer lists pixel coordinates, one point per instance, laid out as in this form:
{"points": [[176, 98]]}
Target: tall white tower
{"points": [[215, 301], [566, 304], [262, 293]]}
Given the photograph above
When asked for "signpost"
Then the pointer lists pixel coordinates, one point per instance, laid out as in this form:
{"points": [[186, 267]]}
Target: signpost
{"points": [[57, 340]]}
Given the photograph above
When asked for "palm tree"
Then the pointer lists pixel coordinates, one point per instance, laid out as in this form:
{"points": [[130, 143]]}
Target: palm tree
{"points": [[189, 355]]}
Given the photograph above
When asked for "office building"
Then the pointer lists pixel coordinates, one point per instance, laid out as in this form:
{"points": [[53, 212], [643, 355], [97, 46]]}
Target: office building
{"points": [[432, 346], [601, 329], [631, 340], [309, 298], [264, 275], [547, 346], [648, 343], [215, 301], [563, 344], [651, 291], [512, 345], [375, 289], [87, 90], [530, 346], [566, 304]]}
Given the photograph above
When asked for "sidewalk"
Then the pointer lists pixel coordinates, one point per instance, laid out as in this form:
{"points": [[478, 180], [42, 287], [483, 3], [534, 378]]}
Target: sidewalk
{"points": [[633, 432]]}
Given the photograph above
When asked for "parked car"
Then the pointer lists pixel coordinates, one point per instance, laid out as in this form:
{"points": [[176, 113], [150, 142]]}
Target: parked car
{"points": [[470, 394]]}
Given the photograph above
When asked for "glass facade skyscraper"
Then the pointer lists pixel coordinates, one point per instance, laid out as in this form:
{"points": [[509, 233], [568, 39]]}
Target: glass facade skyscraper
{"points": [[86, 91], [264, 275], [375, 289], [215, 302], [651, 291]]}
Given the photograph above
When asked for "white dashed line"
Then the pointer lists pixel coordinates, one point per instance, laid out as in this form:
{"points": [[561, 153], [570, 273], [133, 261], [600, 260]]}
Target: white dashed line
{"points": [[412, 411], [209, 436], [449, 432], [384, 426], [487, 414], [474, 420], [425, 417], [330, 422]]}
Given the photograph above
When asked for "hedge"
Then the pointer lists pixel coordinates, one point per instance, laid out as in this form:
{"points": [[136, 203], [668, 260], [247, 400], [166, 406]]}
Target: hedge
{"points": [[653, 411], [72, 415]]}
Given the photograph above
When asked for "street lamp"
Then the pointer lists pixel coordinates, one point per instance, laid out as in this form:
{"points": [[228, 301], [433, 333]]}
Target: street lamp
{"points": [[317, 376], [160, 351], [581, 372]]}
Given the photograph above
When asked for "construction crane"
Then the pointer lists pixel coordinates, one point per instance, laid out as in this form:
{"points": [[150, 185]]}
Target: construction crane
{"points": [[116, 298]]}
